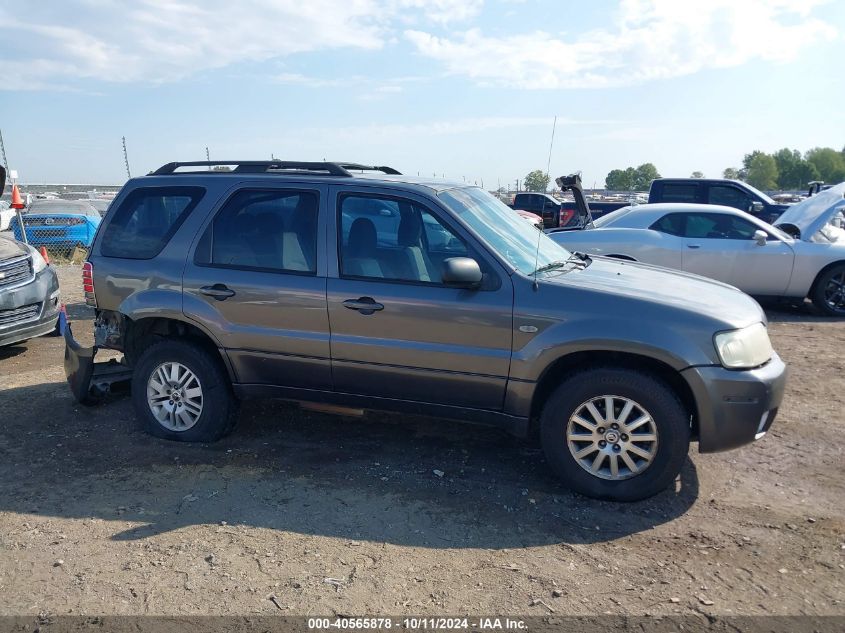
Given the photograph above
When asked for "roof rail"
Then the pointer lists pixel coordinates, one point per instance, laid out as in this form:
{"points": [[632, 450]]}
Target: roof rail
{"points": [[273, 166], [382, 168]]}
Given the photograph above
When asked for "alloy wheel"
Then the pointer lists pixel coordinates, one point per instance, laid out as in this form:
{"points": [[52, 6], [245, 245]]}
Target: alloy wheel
{"points": [[834, 292], [612, 437], [174, 395]]}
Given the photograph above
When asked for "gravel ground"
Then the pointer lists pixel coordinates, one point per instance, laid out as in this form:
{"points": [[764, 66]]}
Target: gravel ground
{"points": [[304, 513]]}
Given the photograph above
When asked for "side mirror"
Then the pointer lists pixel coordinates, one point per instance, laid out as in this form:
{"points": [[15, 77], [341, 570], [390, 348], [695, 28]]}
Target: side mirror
{"points": [[760, 237], [755, 208], [461, 272]]}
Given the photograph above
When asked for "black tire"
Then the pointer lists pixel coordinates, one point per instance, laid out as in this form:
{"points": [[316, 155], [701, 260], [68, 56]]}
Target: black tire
{"points": [[669, 416], [219, 406], [820, 292]]}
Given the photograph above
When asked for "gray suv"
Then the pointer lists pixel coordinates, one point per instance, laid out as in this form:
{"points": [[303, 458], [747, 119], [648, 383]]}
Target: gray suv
{"points": [[358, 287]]}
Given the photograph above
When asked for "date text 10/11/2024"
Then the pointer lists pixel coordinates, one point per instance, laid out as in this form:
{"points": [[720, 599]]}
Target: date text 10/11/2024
{"points": [[421, 623]]}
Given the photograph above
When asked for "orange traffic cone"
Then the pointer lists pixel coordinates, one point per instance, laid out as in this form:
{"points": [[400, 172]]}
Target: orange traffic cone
{"points": [[43, 252], [17, 201]]}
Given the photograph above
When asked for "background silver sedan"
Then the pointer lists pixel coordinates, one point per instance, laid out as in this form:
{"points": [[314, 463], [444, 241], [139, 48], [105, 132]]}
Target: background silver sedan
{"points": [[803, 257]]}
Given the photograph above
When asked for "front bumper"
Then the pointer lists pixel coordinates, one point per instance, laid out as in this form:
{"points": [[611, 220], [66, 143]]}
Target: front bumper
{"points": [[43, 290], [735, 407]]}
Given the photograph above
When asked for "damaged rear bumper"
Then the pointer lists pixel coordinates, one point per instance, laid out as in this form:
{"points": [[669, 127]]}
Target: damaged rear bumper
{"points": [[90, 381]]}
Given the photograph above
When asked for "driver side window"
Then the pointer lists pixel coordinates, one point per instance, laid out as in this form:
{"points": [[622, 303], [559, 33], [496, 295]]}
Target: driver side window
{"points": [[394, 239], [718, 226], [729, 197]]}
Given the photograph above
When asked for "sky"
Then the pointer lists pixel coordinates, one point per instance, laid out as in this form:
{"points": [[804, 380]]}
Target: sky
{"points": [[466, 89]]}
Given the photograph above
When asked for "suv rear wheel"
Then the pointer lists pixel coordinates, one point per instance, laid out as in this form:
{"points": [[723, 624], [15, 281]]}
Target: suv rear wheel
{"points": [[180, 392], [616, 434]]}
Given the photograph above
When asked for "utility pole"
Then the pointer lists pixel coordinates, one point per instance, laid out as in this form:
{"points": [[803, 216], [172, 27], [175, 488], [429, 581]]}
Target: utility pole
{"points": [[207, 157], [126, 158]]}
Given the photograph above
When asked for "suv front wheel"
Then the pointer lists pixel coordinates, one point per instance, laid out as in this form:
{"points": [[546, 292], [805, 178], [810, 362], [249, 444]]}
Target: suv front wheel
{"points": [[616, 434], [180, 392]]}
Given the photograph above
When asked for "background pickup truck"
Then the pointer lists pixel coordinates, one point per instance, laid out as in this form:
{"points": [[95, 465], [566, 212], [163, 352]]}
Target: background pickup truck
{"points": [[560, 213], [729, 193]]}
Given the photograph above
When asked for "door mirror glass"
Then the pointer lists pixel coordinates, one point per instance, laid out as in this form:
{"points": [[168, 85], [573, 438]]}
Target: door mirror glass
{"points": [[461, 272], [760, 237], [755, 207]]}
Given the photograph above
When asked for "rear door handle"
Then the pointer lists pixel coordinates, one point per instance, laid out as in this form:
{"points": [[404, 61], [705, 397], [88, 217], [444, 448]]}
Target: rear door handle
{"points": [[218, 291], [364, 305], [693, 245]]}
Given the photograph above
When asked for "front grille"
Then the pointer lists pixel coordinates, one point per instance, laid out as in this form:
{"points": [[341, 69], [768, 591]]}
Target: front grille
{"points": [[16, 315], [14, 271], [35, 234], [49, 221]]}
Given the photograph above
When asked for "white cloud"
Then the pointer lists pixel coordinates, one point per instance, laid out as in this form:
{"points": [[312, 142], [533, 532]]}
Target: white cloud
{"points": [[650, 39], [57, 43]]}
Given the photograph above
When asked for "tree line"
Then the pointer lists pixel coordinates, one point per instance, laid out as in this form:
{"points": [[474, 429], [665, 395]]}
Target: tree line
{"points": [[783, 169], [789, 169]]}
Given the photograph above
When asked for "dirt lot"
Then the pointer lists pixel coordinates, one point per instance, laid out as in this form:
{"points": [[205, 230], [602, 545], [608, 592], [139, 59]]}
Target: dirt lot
{"points": [[333, 515]]}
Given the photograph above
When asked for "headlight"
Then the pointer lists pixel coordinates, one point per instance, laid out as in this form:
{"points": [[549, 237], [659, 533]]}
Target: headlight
{"points": [[745, 348], [38, 263]]}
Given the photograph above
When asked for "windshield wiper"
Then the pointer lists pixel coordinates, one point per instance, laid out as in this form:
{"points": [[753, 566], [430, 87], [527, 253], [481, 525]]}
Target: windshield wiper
{"points": [[579, 260]]}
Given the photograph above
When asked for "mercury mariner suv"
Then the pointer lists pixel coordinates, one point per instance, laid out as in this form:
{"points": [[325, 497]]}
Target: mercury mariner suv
{"points": [[358, 287]]}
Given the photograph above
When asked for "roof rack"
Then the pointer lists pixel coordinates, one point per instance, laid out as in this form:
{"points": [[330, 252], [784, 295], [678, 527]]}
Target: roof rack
{"points": [[274, 166]]}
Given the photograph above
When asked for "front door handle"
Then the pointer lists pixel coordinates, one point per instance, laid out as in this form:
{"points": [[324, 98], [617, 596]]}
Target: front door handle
{"points": [[693, 245], [364, 305], [218, 291]]}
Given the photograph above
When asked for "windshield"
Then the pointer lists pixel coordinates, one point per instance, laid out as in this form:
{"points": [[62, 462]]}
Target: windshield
{"points": [[514, 239]]}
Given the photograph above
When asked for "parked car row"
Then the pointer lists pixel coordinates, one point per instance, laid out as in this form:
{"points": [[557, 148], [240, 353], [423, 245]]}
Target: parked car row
{"points": [[803, 256]]}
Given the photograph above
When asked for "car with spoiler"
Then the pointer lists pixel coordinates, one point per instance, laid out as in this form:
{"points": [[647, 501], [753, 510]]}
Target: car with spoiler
{"points": [[803, 256], [353, 287], [58, 224]]}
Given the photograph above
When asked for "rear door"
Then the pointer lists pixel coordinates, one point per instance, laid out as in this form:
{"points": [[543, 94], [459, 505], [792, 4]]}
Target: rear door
{"points": [[257, 279], [397, 330]]}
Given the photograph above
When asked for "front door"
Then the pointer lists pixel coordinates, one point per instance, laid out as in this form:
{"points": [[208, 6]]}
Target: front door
{"points": [[397, 330], [722, 246], [710, 249], [257, 280]]}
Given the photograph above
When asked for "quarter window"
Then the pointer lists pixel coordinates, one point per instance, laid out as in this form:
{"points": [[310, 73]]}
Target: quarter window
{"points": [[147, 219], [271, 230], [671, 224]]}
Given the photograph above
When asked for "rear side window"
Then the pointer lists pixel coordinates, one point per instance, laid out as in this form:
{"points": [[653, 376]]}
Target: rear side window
{"points": [[269, 230], [679, 193], [672, 224], [146, 220]]}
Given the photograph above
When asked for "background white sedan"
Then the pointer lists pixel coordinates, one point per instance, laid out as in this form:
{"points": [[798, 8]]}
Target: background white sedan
{"points": [[723, 243]]}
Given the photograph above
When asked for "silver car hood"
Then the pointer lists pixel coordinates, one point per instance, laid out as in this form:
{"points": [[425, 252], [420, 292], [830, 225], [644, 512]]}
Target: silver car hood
{"points": [[814, 212]]}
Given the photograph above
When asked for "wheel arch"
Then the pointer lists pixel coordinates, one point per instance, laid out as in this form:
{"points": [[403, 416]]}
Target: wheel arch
{"points": [[817, 278], [575, 362], [143, 331]]}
